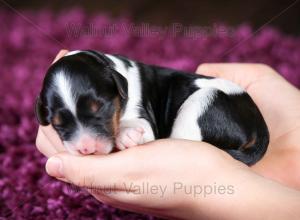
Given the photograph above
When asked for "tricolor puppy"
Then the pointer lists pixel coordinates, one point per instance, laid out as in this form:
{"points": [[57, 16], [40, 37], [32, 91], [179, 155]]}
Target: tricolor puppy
{"points": [[97, 101]]}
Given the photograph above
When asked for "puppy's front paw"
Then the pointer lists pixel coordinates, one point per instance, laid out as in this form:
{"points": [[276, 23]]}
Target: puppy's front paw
{"points": [[129, 137]]}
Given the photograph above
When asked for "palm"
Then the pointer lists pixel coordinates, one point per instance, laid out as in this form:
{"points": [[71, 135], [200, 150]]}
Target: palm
{"points": [[280, 106], [279, 103], [274, 96]]}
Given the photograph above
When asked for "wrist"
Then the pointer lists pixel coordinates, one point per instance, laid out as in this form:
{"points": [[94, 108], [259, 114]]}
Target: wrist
{"points": [[253, 197]]}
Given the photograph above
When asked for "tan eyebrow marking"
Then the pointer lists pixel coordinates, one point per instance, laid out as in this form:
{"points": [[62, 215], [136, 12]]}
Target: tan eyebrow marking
{"points": [[56, 120], [94, 106], [116, 116]]}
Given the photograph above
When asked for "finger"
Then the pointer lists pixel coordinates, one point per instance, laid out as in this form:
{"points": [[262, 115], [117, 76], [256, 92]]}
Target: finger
{"points": [[130, 202], [242, 74], [44, 145], [60, 54], [46, 132], [102, 197], [53, 138], [104, 171], [121, 203]]}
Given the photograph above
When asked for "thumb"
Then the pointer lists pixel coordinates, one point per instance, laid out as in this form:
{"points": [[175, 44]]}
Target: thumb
{"points": [[222, 70], [85, 171], [242, 74]]}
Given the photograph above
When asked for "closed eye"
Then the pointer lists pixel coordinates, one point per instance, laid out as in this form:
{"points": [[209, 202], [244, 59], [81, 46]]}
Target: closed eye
{"points": [[56, 120], [88, 105], [94, 106], [62, 117]]}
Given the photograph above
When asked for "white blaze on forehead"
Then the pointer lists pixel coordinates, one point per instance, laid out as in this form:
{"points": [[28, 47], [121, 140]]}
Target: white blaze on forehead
{"points": [[225, 86], [64, 89]]}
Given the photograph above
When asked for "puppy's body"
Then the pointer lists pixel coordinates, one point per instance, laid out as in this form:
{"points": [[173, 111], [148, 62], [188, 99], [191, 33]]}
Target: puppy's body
{"points": [[144, 103]]}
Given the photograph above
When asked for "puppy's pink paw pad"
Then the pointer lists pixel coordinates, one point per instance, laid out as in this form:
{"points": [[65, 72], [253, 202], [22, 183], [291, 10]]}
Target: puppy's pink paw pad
{"points": [[129, 137]]}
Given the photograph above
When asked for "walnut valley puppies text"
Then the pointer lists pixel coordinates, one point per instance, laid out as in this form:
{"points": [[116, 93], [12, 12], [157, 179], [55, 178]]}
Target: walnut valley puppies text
{"points": [[147, 188]]}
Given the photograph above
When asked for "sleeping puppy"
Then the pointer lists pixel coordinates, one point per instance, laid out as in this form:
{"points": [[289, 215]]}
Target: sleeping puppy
{"points": [[97, 101]]}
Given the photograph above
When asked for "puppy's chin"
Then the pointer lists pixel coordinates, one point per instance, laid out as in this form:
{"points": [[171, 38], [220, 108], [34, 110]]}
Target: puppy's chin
{"points": [[70, 149]]}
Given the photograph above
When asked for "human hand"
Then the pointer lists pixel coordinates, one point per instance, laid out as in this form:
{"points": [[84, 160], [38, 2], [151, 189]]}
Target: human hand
{"points": [[47, 140], [177, 179], [133, 167], [279, 103], [187, 174]]}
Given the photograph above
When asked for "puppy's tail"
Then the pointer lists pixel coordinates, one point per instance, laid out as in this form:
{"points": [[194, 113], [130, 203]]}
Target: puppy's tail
{"points": [[254, 150]]}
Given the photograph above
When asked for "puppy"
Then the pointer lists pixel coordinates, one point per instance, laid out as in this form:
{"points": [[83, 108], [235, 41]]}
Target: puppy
{"points": [[97, 101]]}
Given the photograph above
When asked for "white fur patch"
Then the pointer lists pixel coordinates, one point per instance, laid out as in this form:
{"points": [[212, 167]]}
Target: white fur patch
{"points": [[186, 123], [119, 65], [64, 89], [226, 86], [131, 114], [134, 87], [134, 93], [70, 148]]}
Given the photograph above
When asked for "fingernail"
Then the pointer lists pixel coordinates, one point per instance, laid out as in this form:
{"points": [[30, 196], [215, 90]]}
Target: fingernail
{"points": [[54, 167], [63, 51]]}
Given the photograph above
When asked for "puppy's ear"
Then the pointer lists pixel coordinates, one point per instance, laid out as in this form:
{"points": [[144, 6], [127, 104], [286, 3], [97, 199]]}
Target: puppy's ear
{"points": [[121, 83], [41, 112]]}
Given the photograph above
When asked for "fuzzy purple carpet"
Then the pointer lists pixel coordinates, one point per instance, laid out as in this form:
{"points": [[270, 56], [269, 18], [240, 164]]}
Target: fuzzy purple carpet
{"points": [[28, 44]]}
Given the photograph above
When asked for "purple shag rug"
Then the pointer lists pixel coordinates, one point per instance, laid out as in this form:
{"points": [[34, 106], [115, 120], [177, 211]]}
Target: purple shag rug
{"points": [[28, 45]]}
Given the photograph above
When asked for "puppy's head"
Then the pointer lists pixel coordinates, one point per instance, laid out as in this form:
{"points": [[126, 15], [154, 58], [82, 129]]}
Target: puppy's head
{"points": [[82, 98]]}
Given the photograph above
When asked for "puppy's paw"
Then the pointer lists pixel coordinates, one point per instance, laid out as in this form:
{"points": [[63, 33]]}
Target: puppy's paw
{"points": [[129, 137]]}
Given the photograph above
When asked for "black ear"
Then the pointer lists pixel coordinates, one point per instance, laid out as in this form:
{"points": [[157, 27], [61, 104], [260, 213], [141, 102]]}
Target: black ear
{"points": [[41, 112], [121, 83]]}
